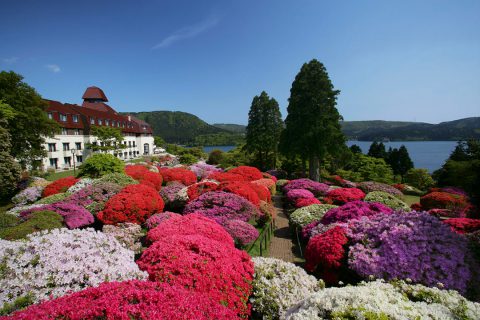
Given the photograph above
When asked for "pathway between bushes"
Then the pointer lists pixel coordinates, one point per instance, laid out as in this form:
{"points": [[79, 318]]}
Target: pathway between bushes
{"points": [[283, 245]]}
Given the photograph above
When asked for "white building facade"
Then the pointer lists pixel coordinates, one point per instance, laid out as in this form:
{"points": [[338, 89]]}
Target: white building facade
{"points": [[69, 148]]}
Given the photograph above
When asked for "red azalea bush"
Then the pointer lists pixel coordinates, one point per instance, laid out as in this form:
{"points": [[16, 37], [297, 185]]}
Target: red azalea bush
{"points": [[262, 191], [204, 265], [463, 225], [270, 184], [268, 211], [182, 175], [248, 173], [129, 300], [267, 175], [458, 204], [325, 253], [59, 186], [416, 206], [242, 189], [303, 202], [344, 195], [134, 203], [226, 177], [197, 189], [191, 224], [136, 171], [145, 176]]}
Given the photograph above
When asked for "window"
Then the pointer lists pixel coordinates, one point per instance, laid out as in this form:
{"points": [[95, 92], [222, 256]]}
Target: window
{"points": [[52, 147], [92, 120], [63, 117], [100, 122], [134, 144], [129, 144], [66, 146], [76, 132], [79, 159], [64, 131], [53, 162], [50, 115], [125, 154], [146, 149], [75, 118], [78, 145], [107, 122], [67, 161]]}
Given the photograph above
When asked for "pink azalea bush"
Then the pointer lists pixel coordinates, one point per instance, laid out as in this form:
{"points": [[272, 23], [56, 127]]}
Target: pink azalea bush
{"points": [[295, 194], [74, 216], [317, 188], [354, 210], [243, 233], [158, 218]]}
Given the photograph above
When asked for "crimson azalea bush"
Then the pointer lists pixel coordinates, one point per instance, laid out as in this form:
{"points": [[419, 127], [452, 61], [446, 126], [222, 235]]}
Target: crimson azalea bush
{"points": [[221, 206], [344, 195], [197, 189], [456, 203], [248, 173], [59, 186], [303, 202], [134, 203], [242, 189], [182, 175], [262, 192], [325, 252], [129, 300], [203, 265], [136, 171], [226, 177], [463, 225], [354, 210], [191, 224], [242, 233], [145, 176], [317, 188], [157, 218]]}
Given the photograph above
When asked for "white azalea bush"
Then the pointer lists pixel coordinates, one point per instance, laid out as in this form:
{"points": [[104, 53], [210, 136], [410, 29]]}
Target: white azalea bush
{"points": [[388, 200], [305, 215], [54, 263], [380, 300], [82, 183], [278, 285]]}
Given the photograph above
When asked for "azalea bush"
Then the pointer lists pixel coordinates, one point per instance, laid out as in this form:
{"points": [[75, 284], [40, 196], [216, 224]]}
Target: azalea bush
{"points": [[380, 300], [278, 285], [303, 202], [268, 183], [305, 215], [158, 218], [57, 197], [93, 197], [82, 183], [317, 188], [134, 203], [127, 234], [130, 300], [54, 263], [369, 186], [343, 195], [456, 203], [463, 225], [74, 216], [242, 189], [242, 232], [262, 192], [388, 200], [27, 196], [248, 173], [267, 211], [225, 177], [182, 175], [37, 221], [293, 195], [197, 189], [173, 199], [203, 265], [355, 210], [121, 179], [203, 170], [59, 186], [143, 175]]}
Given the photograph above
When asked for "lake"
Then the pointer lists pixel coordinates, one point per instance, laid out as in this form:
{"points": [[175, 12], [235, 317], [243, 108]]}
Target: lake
{"points": [[424, 154]]}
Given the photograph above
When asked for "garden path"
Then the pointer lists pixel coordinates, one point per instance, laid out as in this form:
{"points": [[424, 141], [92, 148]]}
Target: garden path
{"points": [[282, 245]]}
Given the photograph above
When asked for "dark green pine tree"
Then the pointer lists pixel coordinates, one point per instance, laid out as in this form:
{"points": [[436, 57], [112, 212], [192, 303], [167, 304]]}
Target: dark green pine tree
{"points": [[355, 149], [377, 150], [400, 161], [313, 123], [263, 130]]}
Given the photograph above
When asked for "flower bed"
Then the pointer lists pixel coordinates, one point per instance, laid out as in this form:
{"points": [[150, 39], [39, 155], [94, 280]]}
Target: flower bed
{"points": [[145, 176], [267, 183], [27, 196], [388, 200], [305, 215], [94, 197], [121, 179], [37, 221], [203, 170], [354, 210], [293, 195], [225, 177], [340, 196], [303, 202], [317, 188], [197, 189], [59, 186]]}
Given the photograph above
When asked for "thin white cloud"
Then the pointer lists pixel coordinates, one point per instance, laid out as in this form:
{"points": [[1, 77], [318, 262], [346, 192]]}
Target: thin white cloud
{"points": [[10, 60], [53, 67], [187, 32]]}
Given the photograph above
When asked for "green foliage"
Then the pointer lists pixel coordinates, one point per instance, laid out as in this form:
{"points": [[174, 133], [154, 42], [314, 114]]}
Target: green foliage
{"points": [[100, 164], [387, 199], [53, 198], [9, 169], [235, 157], [29, 125], [215, 157], [263, 130], [313, 123], [188, 159], [118, 178], [108, 139], [8, 220], [19, 303], [40, 220], [365, 168], [419, 178], [235, 128], [218, 139], [159, 142], [355, 149], [377, 150], [399, 160]]}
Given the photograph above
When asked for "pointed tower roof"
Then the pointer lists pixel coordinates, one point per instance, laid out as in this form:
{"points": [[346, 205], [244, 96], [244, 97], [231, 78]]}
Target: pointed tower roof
{"points": [[94, 93]]}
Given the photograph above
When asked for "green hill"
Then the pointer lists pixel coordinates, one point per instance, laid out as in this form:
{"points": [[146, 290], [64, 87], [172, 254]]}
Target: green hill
{"points": [[235, 128]]}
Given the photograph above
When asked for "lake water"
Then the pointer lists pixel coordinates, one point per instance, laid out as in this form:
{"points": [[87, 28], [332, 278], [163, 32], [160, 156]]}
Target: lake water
{"points": [[424, 154]]}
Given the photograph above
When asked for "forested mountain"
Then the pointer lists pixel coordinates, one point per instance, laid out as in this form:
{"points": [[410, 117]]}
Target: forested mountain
{"points": [[236, 128], [394, 130]]}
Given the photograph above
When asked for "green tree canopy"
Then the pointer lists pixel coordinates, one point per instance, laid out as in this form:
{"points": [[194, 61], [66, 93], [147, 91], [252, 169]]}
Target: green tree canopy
{"points": [[355, 149], [399, 160], [313, 122], [263, 130], [30, 124], [377, 150], [108, 139]]}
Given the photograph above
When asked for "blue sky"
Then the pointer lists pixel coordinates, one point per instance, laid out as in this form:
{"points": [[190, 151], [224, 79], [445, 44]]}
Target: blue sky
{"points": [[392, 60]]}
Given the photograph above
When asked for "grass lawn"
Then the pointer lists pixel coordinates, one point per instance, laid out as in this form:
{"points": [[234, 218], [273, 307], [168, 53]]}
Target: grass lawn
{"points": [[411, 199], [60, 174]]}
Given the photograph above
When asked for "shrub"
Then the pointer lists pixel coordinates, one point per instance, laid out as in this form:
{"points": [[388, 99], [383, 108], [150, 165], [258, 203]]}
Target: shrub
{"points": [[188, 159], [38, 221], [463, 225], [409, 245], [279, 285], [130, 300], [82, 183], [295, 194], [145, 176], [59, 186], [54, 198], [172, 197], [118, 178], [305, 215], [303, 202], [27, 196], [215, 157], [203, 170], [407, 189], [354, 210], [197, 189], [221, 206], [100, 164], [56, 262], [458, 204], [419, 178], [10, 170], [248, 173], [74, 216], [242, 233], [156, 219], [369, 186], [243, 189], [317, 188], [8, 220], [387, 199], [268, 211], [182, 175], [94, 197], [203, 265], [262, 192], [267, 183], [134, 203], [344, 195], [127, 234], [225, 177]]}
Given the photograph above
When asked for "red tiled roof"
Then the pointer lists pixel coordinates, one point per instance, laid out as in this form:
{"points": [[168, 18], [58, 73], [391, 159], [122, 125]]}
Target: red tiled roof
{"points": [[94, 93]]}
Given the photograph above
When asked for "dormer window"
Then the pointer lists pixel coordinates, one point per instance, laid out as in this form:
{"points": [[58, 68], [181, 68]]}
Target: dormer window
{"points": [[100, 122], [63, 117], [50, 115], [92, 120], [107, 122], [75, 118]]}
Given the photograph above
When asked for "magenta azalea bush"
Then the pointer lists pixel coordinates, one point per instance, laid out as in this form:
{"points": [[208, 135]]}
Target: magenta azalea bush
{"points": [[203, 170], [317, 188], [158, 218], [354, 210], [222, 206], [243, 233], [413, 246], [295, 194], [74, 216], [93, 197], [369, 186]]}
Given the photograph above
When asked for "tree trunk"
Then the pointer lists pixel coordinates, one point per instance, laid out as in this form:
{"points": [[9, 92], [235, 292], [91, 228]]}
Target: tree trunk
{"points": [[314, 168], [304, 167]]}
